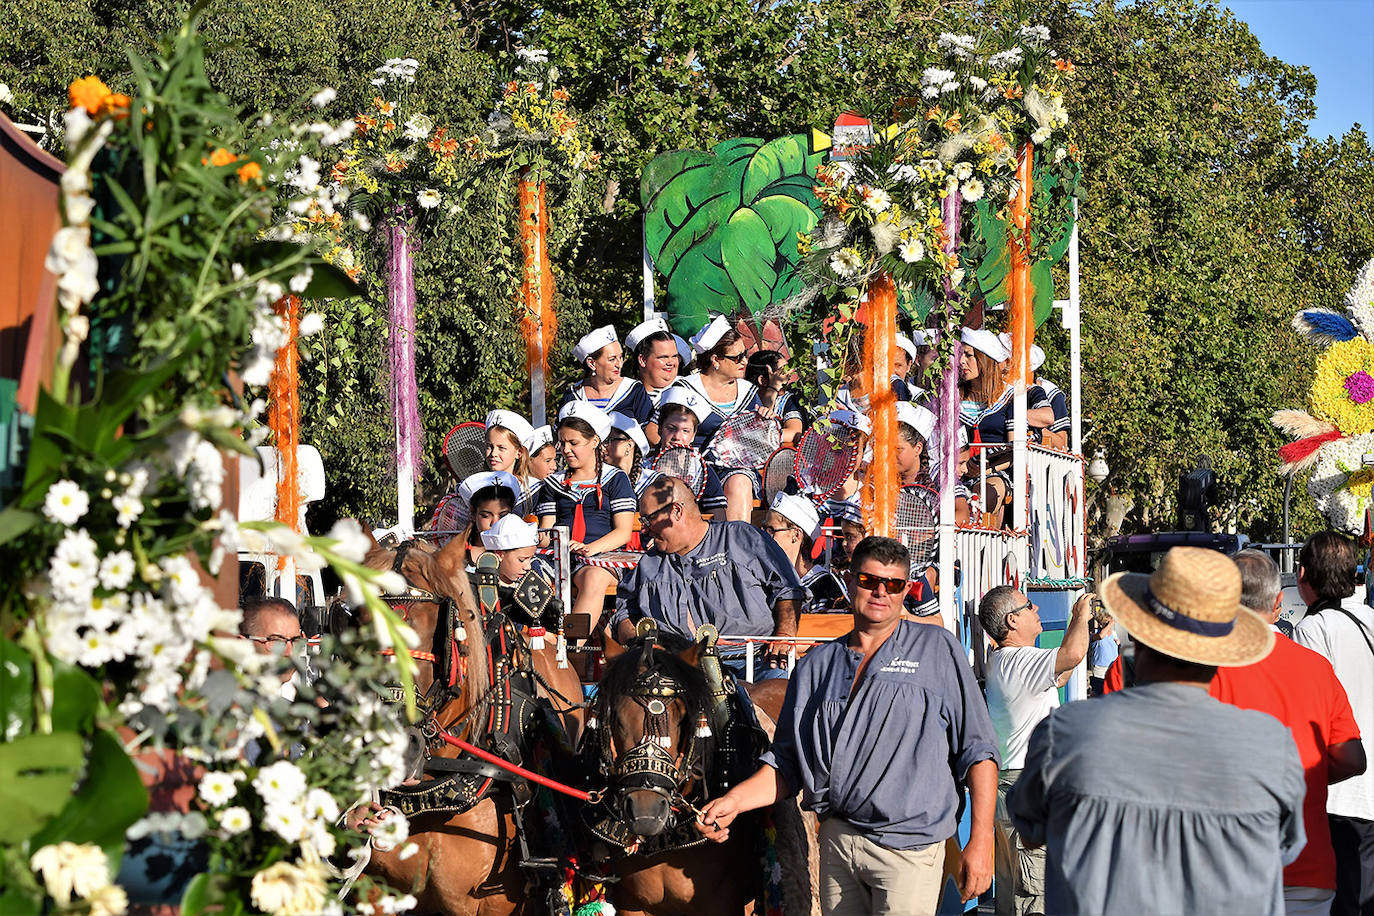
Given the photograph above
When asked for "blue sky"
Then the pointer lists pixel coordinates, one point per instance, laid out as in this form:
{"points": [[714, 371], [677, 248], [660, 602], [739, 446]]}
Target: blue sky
{"points": [[1333, 38]]}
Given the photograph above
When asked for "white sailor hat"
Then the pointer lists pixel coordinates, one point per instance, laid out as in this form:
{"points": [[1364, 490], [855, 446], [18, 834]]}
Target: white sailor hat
{"points": [[538, 438], [593, 341], [689, 399], [590, 414], [655, 325], [917, 417], [710, 335], [509, 419], [798, 510], [511, 532], [1037, 355], [629, 427], [963, 437], [853, 419], [987, 343], [907, 344], [920, 338], [684, 350], [483, 479]]}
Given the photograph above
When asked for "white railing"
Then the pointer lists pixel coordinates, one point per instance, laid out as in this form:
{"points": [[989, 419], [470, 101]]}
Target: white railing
{"points": [[986, 559], [1057, 532]]}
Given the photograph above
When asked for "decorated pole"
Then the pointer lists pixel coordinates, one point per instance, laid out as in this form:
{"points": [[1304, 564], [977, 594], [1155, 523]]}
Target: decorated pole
{"points": [[882, 483], [1022, 326], [537, 322], [948, 414], [405, 407], [284, 419]]}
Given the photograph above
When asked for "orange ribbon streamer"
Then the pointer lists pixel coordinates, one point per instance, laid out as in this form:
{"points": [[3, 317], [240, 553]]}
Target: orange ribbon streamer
{"points": [[283, 417], [1022, 318], [880, 341], [537, 321]]}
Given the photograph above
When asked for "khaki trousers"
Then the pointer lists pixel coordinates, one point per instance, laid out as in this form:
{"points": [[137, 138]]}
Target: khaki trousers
{"points": [[1020, 872], [860, 876]]}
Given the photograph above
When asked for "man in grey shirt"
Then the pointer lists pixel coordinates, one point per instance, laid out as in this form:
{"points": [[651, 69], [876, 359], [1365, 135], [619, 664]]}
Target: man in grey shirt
{"points": [[727, 574], [878, 730], [1159, 799]]}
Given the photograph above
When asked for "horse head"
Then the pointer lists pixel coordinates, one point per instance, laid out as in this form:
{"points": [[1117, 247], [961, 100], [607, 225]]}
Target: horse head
{"points": [[438, 604], [652, 709]]}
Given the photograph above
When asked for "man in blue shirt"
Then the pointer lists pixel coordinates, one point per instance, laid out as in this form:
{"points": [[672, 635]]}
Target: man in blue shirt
{"points": [[878, 730]]}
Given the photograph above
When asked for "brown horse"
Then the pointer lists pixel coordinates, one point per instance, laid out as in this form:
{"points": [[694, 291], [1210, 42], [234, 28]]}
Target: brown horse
{"points": [[466, 864], [652, 715]]}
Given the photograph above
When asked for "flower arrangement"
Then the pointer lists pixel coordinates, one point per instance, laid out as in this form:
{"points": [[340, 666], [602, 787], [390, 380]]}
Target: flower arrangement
{"points": [[398, 163], [113, 643], [533, 121], [1335, 436]]}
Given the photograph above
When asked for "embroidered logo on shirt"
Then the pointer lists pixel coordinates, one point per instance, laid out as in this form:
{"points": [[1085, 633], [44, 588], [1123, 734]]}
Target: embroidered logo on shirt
{"points": [[900, 665]]}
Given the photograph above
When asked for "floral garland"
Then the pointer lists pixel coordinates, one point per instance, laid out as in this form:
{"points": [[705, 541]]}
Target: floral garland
{"points": [[533, 122], [1337, 436]]}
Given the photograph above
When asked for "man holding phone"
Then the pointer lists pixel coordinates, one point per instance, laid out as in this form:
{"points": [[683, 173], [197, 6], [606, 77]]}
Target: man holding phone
{"points": [[1023, 688]]}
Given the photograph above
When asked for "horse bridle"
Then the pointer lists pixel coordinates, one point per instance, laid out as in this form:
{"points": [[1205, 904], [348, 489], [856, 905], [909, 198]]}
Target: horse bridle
{"points": [[449, 640], [651, 765]]}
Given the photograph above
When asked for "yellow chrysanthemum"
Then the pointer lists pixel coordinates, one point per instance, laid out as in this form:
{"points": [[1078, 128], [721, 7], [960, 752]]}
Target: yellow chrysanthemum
{"points": [[1330, 397]]}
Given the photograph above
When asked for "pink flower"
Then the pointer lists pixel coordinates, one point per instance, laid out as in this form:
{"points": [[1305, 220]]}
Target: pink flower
{"points": [[1361, 387]]}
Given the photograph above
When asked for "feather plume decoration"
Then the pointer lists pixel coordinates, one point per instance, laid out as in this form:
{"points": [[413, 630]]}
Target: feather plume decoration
{"points": [[1324, 326], [1303, 453], [1299, 424]]}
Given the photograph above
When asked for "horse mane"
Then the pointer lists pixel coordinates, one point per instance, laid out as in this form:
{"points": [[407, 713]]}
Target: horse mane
{"points": [[643, 653], [421, 568]]}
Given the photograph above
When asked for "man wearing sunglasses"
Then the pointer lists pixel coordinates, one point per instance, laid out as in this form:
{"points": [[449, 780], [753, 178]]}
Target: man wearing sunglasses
{"points": [[879, 730], [1023, 687]]}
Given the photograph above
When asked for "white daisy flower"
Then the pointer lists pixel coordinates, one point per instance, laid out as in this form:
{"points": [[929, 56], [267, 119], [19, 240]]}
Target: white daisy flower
{"points": [[911, 250], [1040, 135], [218, 788], [286, 821], [846, 262], [129, 508], [392, 831], [418, 127], [973, 190], [280, 784], [65, 503], [117, 570], [876, 199], [320, 805], [429, 198]]}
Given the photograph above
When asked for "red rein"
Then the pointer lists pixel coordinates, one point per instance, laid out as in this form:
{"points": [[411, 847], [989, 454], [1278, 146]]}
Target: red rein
{"points": [[517, 770]]}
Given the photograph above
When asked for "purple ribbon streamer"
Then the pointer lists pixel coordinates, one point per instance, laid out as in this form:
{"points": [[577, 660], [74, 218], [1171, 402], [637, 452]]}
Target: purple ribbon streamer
{"points": [[400, 298], [948, 398]]}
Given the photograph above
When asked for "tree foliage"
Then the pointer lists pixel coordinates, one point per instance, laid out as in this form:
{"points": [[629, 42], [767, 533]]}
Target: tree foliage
{"points": [[1209, 216]]}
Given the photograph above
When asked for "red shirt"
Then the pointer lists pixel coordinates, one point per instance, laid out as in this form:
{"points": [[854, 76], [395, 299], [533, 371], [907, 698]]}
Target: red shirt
{"points": [[1299, 688]]}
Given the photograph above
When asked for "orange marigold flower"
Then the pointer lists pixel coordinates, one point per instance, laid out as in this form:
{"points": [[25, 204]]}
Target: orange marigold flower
{"points": [[1064, 65], [89, 92], [220, 157], [511, 88], [952, 123], [116, 104], [249, 171], [353, 272], [934, 114], [1013, 91], [394, 163], [365, 123], [388, 127], [531, 89], [561, 95], [385, 108], [997, 142]]}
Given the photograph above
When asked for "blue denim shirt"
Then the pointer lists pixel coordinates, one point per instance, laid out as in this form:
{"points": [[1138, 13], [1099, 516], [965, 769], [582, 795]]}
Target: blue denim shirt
{"points": [[889, 759]]}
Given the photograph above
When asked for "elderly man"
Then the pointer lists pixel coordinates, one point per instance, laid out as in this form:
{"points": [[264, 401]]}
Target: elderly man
{"points": [[1299, 688], [1159, 798], [878, 730], [275, 629], [727, 574], [1340, 626], [1023, 684]]}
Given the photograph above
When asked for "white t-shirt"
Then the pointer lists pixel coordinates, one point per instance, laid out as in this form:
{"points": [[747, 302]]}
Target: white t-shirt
{"points": [[1335, 636], [1020, 692]]}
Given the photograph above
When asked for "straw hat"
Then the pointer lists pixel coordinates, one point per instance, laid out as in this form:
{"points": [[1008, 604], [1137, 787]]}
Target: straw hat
{"points": [[1190, 608]]}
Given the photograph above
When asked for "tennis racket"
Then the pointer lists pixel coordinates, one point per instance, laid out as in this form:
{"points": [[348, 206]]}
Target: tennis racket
{"points": [[916, 526], [685, 464], [825, 459], [465, 449], [777, 471], [745, 440], [452, 514]]}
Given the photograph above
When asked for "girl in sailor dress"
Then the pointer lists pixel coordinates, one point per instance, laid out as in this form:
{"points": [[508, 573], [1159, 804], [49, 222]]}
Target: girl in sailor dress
{"points": [[594, 500], [719, 381], [603, 386], [678, 426]]}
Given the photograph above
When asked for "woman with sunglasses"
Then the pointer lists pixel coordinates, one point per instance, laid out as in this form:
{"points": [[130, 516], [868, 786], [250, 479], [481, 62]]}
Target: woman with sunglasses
{"points": [[720, 381]]}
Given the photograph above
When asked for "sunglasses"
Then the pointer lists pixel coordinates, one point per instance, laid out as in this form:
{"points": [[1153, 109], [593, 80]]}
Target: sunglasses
{"points": [[650, 516], [876, 584], [739, 357], [1025, 607]]}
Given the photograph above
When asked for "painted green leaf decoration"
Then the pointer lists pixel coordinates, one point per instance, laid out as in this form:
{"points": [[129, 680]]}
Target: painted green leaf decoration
{"points": [[722, 226]]}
